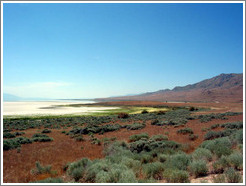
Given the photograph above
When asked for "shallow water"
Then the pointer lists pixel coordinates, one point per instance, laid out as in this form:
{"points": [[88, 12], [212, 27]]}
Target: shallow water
{"points": [[48, 108]]}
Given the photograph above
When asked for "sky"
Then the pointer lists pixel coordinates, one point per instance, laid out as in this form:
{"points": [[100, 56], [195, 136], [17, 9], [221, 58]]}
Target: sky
{"points": [[84, 50]]}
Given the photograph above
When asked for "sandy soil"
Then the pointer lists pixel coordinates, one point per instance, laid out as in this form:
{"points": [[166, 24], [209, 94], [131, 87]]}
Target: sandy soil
{"points": [[47, 108]]}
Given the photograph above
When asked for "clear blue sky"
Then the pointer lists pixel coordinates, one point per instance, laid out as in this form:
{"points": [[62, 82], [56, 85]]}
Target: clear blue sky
{"points": [[100, 50]]}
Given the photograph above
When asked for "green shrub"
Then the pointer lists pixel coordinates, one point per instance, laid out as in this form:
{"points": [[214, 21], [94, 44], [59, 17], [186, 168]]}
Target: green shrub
{"points": [[41, 169], [219, 179], [50, 180], [144, 112], [135, 126], [215, 126], [79, 138], [178, 161], [239, 136], [220, 165], [236, 160], [185, 131], [123, 115], [137, 137], [163, 157], [146, 158], [202, 154], [219, 146], [8, 135], [46, 131], [153, 170], [176, 176], [10, 144], [77, 169], [233, 176], [159, 137], [37, 135], [199, 168], [193, 137]]}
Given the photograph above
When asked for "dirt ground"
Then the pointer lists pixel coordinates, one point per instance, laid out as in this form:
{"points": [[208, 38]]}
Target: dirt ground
{"points": [[218, 107], [17, 166]]}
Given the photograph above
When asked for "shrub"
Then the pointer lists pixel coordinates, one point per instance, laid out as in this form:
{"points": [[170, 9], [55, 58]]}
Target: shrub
{"points": [[233, 176], [79, 138], [10, 144], [178, 161], [137, 137], [239, 136], [77, 169], [40, 169], [202, 154], [219, 179], [144, 112], [50, 180], [161, 112], [159, 137], [211, 135], [176, 176], [193, 137], [163, 157], [185, 131], [123, 115], [39, 135], [191, 108], [8, 135], [236, 160], [46, 131], [135, 126], [219, 146], [146, 158], [215, 126], [199, 168], [153, 170], [220, 165], [234, 125]]}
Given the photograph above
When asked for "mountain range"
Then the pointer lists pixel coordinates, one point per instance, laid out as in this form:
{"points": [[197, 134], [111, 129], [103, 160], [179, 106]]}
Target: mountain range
{"points": [[221, 88]]}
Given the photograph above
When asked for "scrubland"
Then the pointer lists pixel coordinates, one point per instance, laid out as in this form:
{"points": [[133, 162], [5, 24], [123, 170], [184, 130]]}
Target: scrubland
{"points": [[174, 145]]}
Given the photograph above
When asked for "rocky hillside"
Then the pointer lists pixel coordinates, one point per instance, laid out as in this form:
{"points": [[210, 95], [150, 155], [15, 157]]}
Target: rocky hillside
{"points": [[222, 88]]}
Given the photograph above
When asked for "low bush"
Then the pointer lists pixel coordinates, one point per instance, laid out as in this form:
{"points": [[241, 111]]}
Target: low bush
{"points": [[137, 137], [41, 169], [159, 137], [46, 131], [220, 165], [123, 115], [199, 168], [185, 131], [219, 146], [77, 169], [193, 137], [236, 160], [50, 180], [219, 179], [176, 176], [144, 112], [233, 176], [234, 125], [79, 138], [136, 126], [215, 126], [178, 161], [153, 170], [202, 154], [163, 157]]}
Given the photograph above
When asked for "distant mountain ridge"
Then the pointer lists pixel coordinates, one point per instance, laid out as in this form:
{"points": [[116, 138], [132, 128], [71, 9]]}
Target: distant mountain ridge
{"points": [[224, 87]]}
